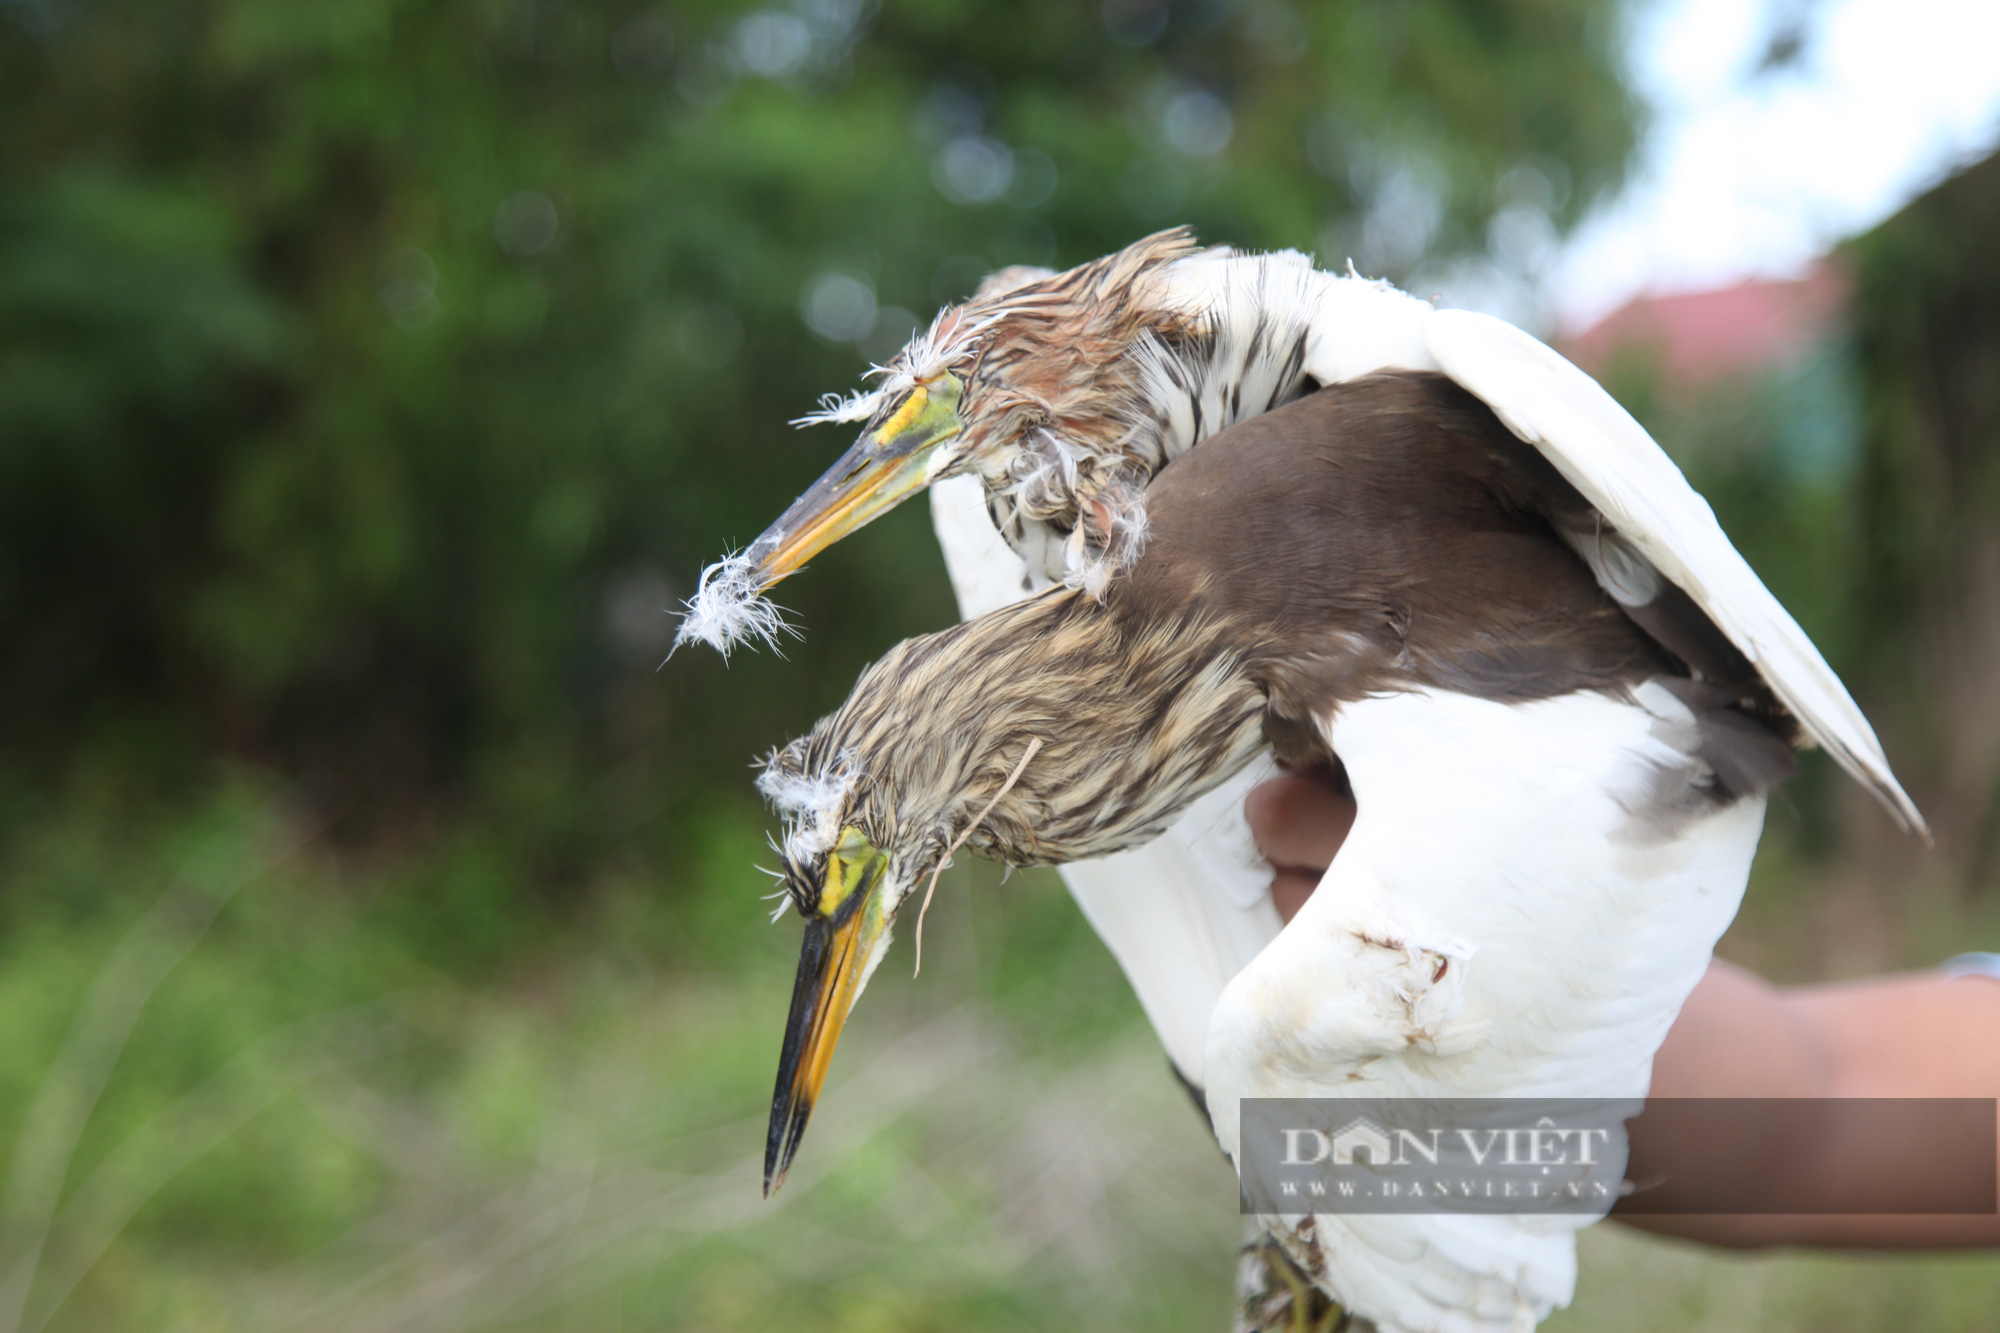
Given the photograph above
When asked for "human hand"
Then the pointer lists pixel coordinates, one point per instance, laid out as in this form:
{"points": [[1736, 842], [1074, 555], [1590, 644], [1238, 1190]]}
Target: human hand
{"points": [[1299, 819]]}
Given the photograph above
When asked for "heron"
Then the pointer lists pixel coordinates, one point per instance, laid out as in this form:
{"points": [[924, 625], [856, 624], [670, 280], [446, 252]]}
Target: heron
{"points": [[1037, 412], [1560, 750]]}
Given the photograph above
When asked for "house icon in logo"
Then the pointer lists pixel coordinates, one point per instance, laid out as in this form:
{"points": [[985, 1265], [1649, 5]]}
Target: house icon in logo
{"points": [[1361, 1136]]}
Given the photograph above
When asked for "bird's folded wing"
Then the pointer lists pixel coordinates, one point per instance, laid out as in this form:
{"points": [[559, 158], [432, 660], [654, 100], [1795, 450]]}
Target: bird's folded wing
{"points": [[1183, 914], [1618, 468]]}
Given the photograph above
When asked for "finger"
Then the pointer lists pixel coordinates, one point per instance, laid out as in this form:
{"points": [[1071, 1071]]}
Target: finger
{"points": [[1298, 822], [1289, 891]]}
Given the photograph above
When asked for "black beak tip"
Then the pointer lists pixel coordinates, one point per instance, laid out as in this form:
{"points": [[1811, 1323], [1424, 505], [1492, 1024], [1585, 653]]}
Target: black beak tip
{"points": [[776, 1165], [791, 1102], [788, 1126]]}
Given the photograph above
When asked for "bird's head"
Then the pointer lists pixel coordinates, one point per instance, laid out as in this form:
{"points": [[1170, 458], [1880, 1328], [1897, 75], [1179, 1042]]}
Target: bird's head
{"points": [[843, 874], [1041, 733], [1049, 387], [872, 805]]}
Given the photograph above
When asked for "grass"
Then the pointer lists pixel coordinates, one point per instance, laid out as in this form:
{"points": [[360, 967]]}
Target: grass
{"points": [[238, 1092]]}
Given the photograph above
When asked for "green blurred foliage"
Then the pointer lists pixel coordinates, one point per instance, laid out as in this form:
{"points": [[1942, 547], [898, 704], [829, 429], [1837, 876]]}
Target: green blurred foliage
{"points": [[1927, 499], [305, 1127], [375, 375]]}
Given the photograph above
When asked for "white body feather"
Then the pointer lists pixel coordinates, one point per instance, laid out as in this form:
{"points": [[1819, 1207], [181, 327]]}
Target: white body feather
{"points": [[1497, 839]]}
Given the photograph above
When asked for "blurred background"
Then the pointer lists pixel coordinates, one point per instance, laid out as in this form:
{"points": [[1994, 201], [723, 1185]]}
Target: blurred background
{"points": [[380, 944]]}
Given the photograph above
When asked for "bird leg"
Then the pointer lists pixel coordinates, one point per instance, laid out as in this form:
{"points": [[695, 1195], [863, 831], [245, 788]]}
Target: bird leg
{"points": [[1275, 1296]]}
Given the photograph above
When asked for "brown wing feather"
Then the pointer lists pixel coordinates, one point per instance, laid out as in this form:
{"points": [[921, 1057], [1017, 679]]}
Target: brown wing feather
{"points": [[1392, 533]]}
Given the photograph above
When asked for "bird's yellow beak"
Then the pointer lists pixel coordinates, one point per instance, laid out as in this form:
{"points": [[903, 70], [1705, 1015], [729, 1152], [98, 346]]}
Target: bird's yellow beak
{"points": [[845, 937], [886, 466]]}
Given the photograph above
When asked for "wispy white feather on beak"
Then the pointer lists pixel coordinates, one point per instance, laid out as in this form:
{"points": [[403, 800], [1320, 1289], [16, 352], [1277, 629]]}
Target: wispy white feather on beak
{"points": [[855, 407], [726, 610]]}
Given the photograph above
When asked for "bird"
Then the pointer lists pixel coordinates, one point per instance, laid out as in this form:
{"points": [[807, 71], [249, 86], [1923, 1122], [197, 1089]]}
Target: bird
{"points": [[1037, 412], [1560, 742]]}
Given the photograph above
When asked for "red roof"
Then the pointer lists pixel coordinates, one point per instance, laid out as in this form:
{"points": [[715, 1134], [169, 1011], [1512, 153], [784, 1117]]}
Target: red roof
{"points": [[1701, 337]]}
